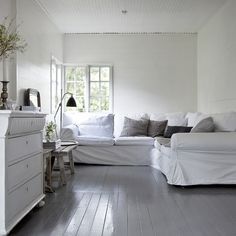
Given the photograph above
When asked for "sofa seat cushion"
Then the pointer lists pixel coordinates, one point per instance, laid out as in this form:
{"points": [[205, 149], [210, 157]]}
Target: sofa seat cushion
{"points": [[94, 141], [133, 141], [159, 141]]}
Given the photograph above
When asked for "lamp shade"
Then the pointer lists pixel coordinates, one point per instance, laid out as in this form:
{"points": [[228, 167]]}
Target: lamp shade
{"points": [[71, 102]]}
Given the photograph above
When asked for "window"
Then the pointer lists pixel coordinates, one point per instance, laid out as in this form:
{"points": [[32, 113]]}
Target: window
{"points": [[91, 87]]}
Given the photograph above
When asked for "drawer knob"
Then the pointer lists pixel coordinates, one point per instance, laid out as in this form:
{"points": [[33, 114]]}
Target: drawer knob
{"points": [[27, 142], [27, 189], [27, 166]]}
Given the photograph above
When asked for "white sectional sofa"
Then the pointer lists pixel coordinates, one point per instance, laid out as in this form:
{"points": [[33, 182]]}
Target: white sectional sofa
{"points": [[188, 159]]}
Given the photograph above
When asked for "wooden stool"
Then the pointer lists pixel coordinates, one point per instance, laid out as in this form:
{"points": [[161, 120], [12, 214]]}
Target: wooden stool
{"points": [[47, 155], [65, 150]]}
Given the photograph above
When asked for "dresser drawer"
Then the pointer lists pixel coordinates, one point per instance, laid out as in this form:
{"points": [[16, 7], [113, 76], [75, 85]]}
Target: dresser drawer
{"points": [[26, 124], [22, 146], [23, 196], [24, 170]]}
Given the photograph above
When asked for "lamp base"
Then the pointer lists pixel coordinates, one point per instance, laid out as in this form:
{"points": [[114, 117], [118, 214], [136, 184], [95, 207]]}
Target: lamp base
{"points": [[4, 96]]}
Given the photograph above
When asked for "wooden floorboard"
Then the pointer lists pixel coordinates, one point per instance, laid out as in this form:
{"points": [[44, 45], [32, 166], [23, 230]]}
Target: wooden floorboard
{"points": [[130, 201]]}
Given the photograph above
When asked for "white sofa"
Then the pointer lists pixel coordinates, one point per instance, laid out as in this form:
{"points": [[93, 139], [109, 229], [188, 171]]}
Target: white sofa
{"points": [[190, 159]]}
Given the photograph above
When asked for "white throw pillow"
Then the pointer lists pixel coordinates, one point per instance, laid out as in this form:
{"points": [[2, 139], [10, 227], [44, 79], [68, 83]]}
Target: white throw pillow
{"points": [[158, 116], [192, 118], [176, 119], [200, 118], [98, 125], [225, 121]]}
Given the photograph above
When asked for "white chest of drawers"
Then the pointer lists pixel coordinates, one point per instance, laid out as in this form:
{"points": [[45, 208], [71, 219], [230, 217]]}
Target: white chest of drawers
{"points": [[21, 165]]}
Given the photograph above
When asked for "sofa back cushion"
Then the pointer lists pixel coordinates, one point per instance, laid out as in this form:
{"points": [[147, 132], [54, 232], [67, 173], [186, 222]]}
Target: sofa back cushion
{"points": [[97, 125], [75, 117], [176, 119], [192, 118], [225, 121]]}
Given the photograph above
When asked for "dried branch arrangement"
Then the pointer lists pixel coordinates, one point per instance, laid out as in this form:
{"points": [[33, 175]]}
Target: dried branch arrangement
{"points": [[10, 39]]}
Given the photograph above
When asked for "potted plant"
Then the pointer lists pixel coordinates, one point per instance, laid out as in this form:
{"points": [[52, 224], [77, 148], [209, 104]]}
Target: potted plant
{"points": [[10, 39], [50, 131]]}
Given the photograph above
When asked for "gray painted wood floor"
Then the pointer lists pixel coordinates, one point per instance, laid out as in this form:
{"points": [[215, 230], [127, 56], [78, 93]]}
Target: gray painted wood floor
{"points": [[116, 200]]}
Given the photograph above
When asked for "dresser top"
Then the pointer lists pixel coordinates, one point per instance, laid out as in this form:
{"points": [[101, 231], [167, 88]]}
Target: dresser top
{"points": [[10, 113]]}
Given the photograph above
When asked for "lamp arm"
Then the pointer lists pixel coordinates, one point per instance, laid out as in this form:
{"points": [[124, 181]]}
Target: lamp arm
{"points": [[59, 105]]}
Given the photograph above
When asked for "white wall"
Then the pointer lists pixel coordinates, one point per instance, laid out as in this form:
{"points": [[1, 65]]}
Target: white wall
{"points": [[8, 9], [152, 73], [44, 40], [217, 62]]}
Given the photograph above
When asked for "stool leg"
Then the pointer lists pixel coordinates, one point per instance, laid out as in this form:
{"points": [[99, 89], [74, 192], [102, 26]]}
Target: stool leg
{"points": [[72, 167], [49, 171], [62, 169]]}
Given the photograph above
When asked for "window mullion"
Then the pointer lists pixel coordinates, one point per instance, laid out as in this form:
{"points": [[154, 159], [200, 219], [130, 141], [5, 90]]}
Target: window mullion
{"points": [[87, 92], [100, 94]]}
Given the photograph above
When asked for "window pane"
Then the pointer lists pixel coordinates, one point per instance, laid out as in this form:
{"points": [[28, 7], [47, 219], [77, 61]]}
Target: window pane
{"points": [[105, 74], [70, 72], [94, 104], [105, 89], [94, 73], [80, 74], [70, 87], [75, 83], [80, 88], [80, 102], [94, 89], [105, 104]]}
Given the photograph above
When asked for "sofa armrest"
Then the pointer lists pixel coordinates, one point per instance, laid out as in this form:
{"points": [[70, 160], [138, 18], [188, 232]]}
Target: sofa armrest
{"points": [[69, 132], [220, 141]]}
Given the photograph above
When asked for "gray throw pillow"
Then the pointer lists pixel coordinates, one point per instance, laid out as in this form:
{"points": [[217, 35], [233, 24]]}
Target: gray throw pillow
{"points": [[170, 130], [133, 127], [156, 128], [205, 125]]}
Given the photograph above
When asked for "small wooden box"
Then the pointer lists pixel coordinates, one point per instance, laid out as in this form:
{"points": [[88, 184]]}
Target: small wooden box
{"points": [[52, 145]]}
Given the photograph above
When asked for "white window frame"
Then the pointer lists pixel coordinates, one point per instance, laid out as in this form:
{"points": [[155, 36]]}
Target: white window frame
{"points": [[87, 86], [59, 78]]}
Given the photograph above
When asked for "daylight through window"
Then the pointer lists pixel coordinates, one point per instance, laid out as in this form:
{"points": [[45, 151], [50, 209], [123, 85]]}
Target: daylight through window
{"points": [[91, 87]]}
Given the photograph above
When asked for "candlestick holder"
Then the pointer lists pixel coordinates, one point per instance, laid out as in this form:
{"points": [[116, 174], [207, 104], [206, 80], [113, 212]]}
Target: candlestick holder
{"points": [[4, 96]]}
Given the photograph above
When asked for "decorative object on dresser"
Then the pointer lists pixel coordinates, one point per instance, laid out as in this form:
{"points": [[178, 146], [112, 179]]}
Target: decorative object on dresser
{"points": [[10, 42], [4, 95], [21, 169], [32, 100]]}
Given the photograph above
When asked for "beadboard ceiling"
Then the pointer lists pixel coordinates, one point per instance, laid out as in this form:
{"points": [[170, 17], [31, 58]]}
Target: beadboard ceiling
{"points": [[99, 16]]}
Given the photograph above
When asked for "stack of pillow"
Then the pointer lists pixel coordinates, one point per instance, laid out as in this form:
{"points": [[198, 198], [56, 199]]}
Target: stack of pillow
{"points": [[143, 127], [167, 125]]}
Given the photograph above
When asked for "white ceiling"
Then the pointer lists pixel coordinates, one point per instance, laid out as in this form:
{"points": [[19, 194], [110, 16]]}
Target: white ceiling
{"points": [[98, 16]]}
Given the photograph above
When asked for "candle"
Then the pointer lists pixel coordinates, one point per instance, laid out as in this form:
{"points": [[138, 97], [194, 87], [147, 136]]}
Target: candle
{"points": [[5, 69]]}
